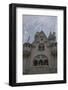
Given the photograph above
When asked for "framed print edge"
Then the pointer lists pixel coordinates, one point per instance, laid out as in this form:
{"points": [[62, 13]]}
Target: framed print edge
{"points": [[65, 44], [12, 44]]}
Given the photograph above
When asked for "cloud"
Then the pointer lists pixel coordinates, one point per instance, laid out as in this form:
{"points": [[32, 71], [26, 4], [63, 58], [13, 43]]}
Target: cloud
{"points": [[25, 32], [34, 23]]}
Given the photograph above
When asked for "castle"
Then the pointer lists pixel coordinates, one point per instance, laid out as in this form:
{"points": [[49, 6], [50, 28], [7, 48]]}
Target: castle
{"points": [[40, 56]]}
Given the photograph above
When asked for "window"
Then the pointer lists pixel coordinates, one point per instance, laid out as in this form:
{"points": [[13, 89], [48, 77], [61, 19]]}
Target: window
{"points": [[41, 47], [41, 62], [41, 39], [45, 62], [35, 62]]}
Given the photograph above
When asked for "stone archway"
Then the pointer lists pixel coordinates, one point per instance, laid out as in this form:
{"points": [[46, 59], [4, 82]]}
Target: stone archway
{"points": [[40, 60]]}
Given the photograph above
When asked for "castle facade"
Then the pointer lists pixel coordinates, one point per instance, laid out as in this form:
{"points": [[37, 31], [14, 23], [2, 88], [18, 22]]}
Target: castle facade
{"points": [[40, 56]]}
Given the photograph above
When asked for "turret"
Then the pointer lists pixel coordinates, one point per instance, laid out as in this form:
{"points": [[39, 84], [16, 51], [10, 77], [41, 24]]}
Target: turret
{"points": [[52, 36], [37, 36], [27, 49]]}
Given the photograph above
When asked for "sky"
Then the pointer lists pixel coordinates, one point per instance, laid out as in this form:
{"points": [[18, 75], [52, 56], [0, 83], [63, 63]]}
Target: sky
{"points": [[37, 23]]}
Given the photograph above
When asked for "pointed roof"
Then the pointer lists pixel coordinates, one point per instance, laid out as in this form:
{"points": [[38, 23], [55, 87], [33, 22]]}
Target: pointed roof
{"points": [[51, 36], [43, 34]]}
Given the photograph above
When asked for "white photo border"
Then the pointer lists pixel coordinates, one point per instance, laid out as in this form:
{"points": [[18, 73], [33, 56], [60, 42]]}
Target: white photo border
{"points": [[20, 78]]}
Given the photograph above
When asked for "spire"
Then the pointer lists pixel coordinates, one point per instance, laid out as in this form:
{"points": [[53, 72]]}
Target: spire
{"points": [[52, 36]]}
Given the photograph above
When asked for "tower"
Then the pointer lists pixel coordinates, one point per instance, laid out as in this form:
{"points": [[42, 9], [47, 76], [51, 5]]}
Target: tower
{"points": [[53, 49], [26, 57], [41, 55]]}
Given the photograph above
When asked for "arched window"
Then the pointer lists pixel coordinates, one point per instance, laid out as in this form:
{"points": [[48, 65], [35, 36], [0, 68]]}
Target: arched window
{"points": [[45, 62], [35, 62], [40, 62]]}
